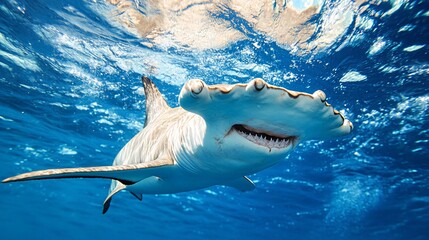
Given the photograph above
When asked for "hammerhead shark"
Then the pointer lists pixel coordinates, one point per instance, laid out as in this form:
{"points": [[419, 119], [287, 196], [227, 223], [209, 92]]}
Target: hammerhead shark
{"points": [[217, 136]]}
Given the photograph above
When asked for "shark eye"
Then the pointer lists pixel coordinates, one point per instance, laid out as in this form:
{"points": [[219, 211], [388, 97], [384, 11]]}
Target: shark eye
{"points": [[196, 86], [259, 84]]}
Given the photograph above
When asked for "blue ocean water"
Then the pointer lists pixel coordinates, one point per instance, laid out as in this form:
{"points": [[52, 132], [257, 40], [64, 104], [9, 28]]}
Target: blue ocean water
{"points": [[71, 96]]}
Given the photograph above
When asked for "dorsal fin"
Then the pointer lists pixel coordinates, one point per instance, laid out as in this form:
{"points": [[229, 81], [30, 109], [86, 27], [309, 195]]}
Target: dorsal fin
{"points": [[155, 103]]}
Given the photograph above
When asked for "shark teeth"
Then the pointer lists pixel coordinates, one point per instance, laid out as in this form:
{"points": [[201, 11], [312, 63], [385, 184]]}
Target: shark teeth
{"points": [[263, 138]]}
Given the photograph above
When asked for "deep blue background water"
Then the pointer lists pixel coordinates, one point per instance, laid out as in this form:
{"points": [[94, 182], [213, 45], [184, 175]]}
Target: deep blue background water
{"points": [[71, 96]]}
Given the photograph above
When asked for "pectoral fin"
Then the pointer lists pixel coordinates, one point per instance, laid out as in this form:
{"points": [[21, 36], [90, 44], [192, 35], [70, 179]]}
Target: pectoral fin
{"points": [[118, 188], [243, 184]]}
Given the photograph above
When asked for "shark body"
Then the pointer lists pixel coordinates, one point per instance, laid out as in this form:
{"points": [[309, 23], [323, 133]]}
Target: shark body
{"points": [[217, 136]]}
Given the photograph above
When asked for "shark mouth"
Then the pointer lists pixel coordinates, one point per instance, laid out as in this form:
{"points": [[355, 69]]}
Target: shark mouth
{"points": [[264, 139]]}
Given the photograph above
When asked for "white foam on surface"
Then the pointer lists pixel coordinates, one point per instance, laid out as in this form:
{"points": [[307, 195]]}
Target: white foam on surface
{"points": [[335, 21], [66, 150], [377, 47], [353, 76], [413, 48]]}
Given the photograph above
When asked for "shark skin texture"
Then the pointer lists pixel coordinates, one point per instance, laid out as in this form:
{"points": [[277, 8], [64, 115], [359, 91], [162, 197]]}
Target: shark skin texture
{"points": [[217, 136]]}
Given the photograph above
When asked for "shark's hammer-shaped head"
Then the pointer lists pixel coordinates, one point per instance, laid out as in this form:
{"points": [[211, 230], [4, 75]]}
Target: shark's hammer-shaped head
{"points": [[258, 121]]}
